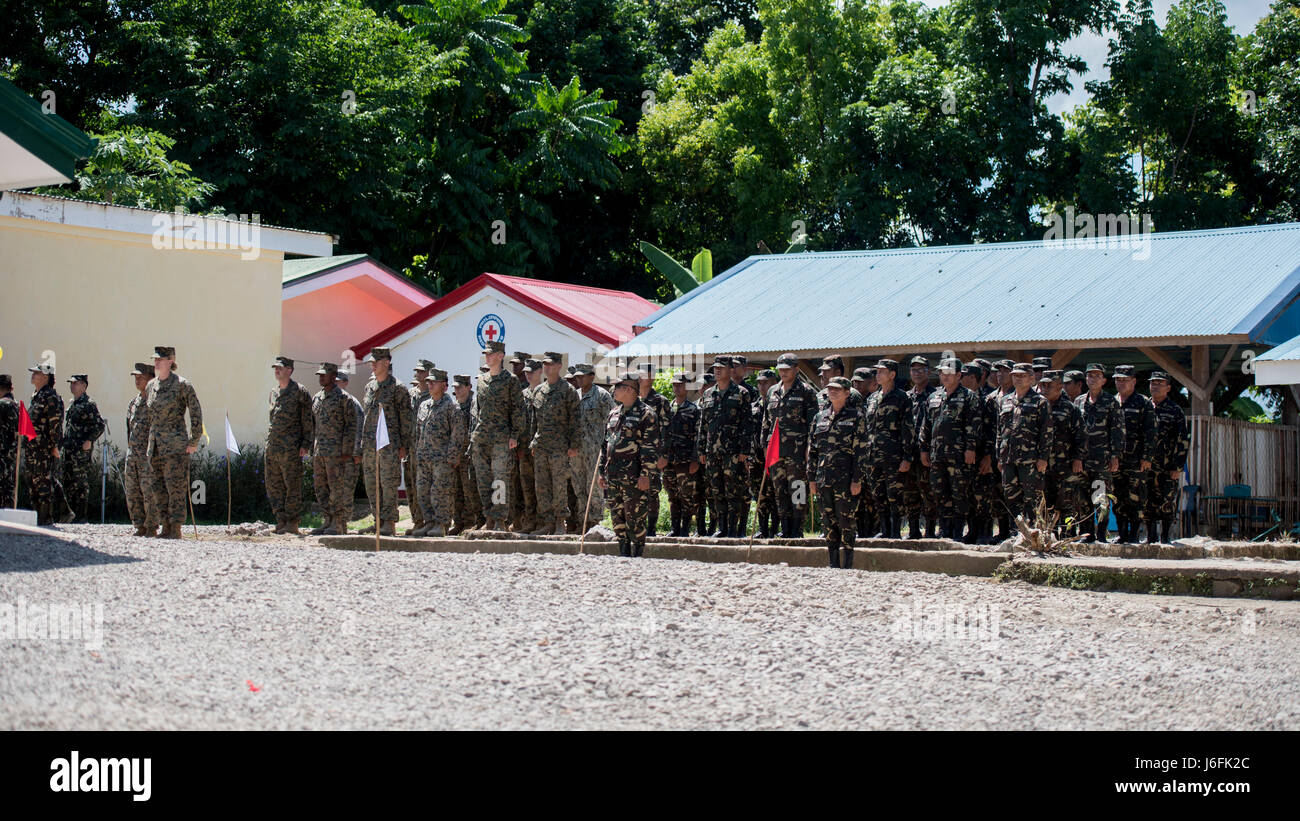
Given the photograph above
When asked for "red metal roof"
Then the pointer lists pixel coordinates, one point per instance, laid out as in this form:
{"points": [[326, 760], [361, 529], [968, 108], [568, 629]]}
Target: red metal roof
{"points": [[600, 314]]}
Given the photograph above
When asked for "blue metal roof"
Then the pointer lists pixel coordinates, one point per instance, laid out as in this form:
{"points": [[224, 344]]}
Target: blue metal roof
{"points": [[1289, 350], [1232, 284]]}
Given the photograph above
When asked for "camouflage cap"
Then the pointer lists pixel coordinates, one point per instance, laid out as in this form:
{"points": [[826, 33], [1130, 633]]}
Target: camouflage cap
{"points": [[971, 369], [787, 360], [531, 365], [739, 359], [327, 368], [571, 370], [1072, 376], [985, 365], [584, 369], [42, 367], [79, 377], [1042, 361], [520, 357], [708, 378], [721, 362], [461, 379], [494, 347], [1022, 367], [949, 366], [888, 364], [1004, 364], [377, 354], [342, 376], [282, 362], [863, 374], [1124, 372], [769, 374], [1095, 366], [552, 358], [424, 365], [161, 351], [839, 382], [436, 375], [1158, 375], [1050, 376], [142, 369], [919, 360], [683, 378]]}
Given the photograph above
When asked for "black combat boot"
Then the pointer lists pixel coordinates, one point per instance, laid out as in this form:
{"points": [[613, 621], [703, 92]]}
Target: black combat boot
{"points": [[929, 527], [913, 527], [957, 523], [1167, 530], [848, 556], [893, 523], [638, 547], [868, 524], [675, 516], [624, 548], [1153, 532], [834, 550], [764, 525]]}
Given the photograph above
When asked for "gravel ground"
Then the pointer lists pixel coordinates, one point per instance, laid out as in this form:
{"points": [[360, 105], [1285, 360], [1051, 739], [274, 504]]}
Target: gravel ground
{"points": [[342, 639]]}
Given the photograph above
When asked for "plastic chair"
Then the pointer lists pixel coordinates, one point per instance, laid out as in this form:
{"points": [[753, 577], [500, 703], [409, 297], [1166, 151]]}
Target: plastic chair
{"points": [[1232, 517]]}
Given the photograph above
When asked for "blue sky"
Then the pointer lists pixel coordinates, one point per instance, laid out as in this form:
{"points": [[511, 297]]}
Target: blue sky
{"points": [[1242, 16]]}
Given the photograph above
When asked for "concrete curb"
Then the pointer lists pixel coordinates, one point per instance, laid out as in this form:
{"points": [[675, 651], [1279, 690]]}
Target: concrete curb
{"points": [[952, 562], [1196, 577]]}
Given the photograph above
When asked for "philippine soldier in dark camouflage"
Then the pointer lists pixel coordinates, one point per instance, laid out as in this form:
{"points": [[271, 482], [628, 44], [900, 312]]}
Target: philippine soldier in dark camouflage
{"points": [[419, 391], [465, 508], [1103, 442], [8, 441], [167, 398], [41, 455], [82, 426], [864, 382], [441, 444], [334, 425], [706, 507], [1065, 460], [383, 391], [680, 458], [889, 432], [1024, 443], [498, 421], [916, 483], [791, 408], [765, 513], [992, 484], [725, 441], [594, 406], [837, 461], [136, 478], [949, 442], [627, 462], [1139, 452], [288, 441], [554, 445], [656, 400], [1168, 459]]}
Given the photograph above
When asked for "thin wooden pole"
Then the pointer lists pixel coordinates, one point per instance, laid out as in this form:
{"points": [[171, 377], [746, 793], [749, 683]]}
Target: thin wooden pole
{"points": [[761, 484], [591, 489], [227, 490], [189, 497], [17, 464], [378, 490]]}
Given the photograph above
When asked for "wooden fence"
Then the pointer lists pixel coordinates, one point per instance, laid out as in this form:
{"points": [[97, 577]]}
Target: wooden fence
{"points": [[1266, 457]]}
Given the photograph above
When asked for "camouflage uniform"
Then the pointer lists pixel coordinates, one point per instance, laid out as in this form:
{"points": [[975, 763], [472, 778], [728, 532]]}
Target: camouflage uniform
{"points": [[82, 424], [523, 470], [724, 435], [837, 457], [792, 412], [1103, 439], [997, 499], [1061, 483], [8, 447], [352, 470], [593, 414], [628, 455], [167, 400], [952, 426], [1139, 446], [137, 479], [659, 403], [466, 509], [441, 441], [916, 482], [39, 462], [1169, 454], [1024, 437], [497, 412], [555, 419], [335, 425], [890, 433], [384, 479], [985, 486], [418, 393], [288, 433], [680, 450]]}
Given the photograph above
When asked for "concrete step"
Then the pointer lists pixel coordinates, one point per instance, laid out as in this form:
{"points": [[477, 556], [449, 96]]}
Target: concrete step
{"points": [[1251, 578]]}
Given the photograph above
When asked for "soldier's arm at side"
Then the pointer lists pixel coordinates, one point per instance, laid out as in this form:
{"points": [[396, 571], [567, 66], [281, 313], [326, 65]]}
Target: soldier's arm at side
{"points": [[196, 417]]}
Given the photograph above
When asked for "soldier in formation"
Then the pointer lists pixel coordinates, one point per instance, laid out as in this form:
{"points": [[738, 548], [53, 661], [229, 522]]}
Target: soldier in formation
{"points": [[419, 391], [594, 407], [725, 442], [627, 463], [1024, 443], [1137, 456], [680, 460], [889, 430], [335, 426], [466, 510], [382, 467], [837, 464], [136, 478], [1168, 459], [497, 414], [82, 426], [949, 440], [440, 439], [169, 399], [790, 406], [1103, 442], [555, 421], [9, 415], [288, 441]]}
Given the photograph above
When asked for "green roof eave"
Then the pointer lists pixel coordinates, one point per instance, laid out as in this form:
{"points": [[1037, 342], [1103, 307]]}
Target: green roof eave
{"points": [[48, 137]]}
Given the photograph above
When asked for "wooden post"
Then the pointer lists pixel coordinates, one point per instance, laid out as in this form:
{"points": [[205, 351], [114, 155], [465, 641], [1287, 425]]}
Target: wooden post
{"points": [[1201, 404]]}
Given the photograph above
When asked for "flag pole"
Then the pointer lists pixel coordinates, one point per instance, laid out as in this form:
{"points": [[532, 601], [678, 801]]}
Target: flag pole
{"points": [[227, 489], [17, 465], [189, 496], [378, 489], [761, 484]]}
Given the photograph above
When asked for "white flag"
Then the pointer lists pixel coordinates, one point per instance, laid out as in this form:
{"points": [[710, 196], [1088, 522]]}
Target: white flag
{"points": [[231, 444], [381, 431]]}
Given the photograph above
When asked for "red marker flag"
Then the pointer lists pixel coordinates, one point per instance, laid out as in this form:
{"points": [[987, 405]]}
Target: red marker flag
{"points": [[773, 447], [25, 426]]}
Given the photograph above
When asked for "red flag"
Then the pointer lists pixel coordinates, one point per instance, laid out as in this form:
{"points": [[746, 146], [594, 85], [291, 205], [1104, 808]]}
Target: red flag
{"points": [[773, 446], [25, 426]]}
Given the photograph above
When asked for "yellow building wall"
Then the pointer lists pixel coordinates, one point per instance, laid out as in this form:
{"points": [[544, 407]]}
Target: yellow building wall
{"points": [[101, 300]]}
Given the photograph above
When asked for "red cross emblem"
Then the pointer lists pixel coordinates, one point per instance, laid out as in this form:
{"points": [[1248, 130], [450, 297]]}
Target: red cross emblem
{"points": [[491, 332]]}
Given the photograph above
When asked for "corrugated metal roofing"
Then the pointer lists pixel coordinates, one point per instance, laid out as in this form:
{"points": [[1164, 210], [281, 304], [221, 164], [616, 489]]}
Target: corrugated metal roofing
{"points": [[295, 269], [1188, 284], [1289, 350]]}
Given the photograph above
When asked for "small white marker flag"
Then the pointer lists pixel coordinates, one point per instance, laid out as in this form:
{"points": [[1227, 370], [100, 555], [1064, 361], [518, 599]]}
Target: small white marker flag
{"points": [[381, 431], [231, 444]]}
